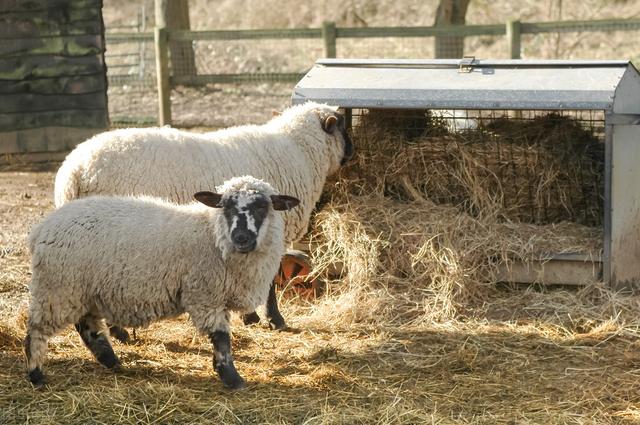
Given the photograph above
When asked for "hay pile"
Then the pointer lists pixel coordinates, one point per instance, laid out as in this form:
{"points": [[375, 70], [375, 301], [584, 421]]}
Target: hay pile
{"points": [[541, 170], [424, 219], [535, 356]]}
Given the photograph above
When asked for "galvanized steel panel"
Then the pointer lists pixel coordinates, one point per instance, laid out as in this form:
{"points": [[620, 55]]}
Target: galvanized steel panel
{"points": [[627, 95], [478, 62], [625, 207], [437, 84]]}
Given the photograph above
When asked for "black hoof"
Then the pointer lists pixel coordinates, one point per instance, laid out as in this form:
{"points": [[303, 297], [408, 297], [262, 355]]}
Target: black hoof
{"points": [[251, 318], [277, 323], [109, 360], [36, 377], [120, 334], [103, 351], [230, 378]]}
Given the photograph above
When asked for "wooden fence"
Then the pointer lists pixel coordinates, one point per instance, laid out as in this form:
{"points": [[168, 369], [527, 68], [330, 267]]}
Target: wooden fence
{"points": [[330, 33]]}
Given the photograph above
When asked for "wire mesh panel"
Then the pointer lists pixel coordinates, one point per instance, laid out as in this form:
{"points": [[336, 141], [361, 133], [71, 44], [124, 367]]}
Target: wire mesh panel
{"points": [[419, 47], [582, 45], [486, 46], [528, 166], [130, 59], [131, 71], [255, 56], [252, 62], [223, 105], [385, 47]]}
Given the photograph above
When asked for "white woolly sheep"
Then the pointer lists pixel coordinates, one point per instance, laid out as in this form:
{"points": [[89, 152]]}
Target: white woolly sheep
{"points": [[135, 260], [295, 152]]}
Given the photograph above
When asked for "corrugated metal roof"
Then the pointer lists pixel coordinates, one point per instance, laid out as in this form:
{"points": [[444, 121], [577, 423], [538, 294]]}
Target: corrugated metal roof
{"points": [[490, 84]]}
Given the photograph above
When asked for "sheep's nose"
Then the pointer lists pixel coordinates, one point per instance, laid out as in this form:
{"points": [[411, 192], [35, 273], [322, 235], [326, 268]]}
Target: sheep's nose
{"points": [[241, 238]]}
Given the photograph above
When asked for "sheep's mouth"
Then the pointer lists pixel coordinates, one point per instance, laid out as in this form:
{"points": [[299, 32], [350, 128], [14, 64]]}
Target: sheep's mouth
{"points": [[245, 248], [349, 151]]}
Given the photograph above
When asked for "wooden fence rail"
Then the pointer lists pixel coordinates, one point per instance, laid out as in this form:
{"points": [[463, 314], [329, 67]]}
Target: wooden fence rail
{"points": [[329, 33]]}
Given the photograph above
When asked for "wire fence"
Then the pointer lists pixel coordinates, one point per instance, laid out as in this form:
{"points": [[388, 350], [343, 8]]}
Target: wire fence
{"points": [[131, 72], [540, 166], [221, 78]]}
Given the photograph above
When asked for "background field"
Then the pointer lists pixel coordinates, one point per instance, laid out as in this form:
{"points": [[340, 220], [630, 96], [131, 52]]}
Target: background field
{"points": [[236, 104]]}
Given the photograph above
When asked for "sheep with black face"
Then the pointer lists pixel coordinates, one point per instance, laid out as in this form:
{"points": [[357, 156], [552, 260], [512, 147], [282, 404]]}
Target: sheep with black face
{"points": [[132, 261]]}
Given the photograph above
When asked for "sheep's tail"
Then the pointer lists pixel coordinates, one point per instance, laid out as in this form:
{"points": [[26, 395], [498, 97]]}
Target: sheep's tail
{"points": [[67, 184]]}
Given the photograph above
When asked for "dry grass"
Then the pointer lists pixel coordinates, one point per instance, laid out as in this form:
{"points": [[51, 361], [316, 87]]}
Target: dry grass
{"points": [[369, 352], [406, 259]]}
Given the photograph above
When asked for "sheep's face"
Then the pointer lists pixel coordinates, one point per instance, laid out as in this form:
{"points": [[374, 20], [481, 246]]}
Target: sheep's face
{"points": [[334, 124], [247, 214]]}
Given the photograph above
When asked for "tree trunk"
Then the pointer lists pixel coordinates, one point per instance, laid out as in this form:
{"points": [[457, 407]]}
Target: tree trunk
{"points": [[450, 12], [181, 52]]}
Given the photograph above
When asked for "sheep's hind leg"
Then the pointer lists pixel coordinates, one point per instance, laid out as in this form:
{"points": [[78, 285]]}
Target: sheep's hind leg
{"points": [[251, 318], [119, 333], [35, 349], [94, 335], [276, 321]]}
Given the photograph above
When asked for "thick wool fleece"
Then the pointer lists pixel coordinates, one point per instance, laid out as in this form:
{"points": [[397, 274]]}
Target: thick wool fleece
{"points": [[135, 260], [292, 152]]}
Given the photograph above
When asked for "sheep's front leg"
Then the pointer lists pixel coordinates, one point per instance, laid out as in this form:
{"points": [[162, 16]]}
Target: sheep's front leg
{"points": [[222, 357]]}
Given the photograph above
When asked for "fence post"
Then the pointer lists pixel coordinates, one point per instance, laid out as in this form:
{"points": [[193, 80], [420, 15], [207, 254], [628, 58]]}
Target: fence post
{"points": [[329, 36], [513, 39], [161, 38]]}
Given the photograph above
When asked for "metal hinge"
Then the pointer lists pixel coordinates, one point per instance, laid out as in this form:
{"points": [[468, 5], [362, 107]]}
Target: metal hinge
{"points": [[466, 64]]}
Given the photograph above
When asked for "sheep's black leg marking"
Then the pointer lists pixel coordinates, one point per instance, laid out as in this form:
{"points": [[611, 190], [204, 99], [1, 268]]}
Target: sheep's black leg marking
{"points": [[35, 375], [97, 343], [251, 318], [119, 333], [223, 361], [276, 321]]}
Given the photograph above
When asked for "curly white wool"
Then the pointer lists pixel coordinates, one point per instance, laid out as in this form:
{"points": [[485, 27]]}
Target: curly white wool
{"points": [[135, 260], [291, 151]]}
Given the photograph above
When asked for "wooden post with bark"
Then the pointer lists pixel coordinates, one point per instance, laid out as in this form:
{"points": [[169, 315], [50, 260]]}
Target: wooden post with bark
{"points": [[450, 12], [162, 63], [183, 62]]}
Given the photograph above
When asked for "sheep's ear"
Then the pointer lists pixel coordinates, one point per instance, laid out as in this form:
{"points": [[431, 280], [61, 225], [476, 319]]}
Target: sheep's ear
{"points": [[275, 113], [283, 202], [329, 123], [210, 199]]}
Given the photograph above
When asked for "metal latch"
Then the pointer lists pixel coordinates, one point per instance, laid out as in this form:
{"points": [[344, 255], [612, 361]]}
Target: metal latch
{"points": [[466, 64]]}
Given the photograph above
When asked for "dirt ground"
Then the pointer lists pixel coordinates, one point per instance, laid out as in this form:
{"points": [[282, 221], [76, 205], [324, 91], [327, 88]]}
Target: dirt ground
{"points": [[25, 197], [534, 357]]}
